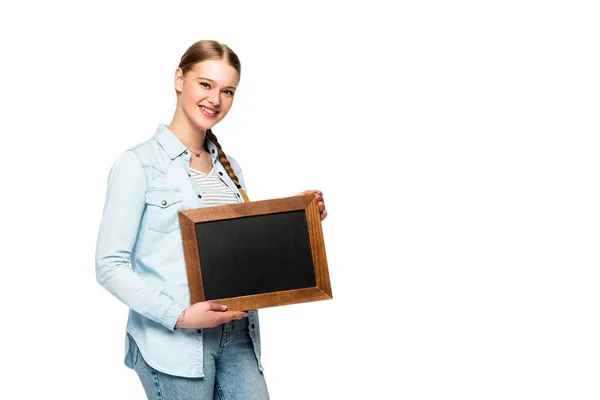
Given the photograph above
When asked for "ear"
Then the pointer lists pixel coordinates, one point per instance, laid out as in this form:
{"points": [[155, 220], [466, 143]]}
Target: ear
{"points": [[178, 80]]}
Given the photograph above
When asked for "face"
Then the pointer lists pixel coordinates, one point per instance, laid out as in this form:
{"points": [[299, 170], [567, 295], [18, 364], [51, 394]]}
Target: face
{"points": [[206, 92]]}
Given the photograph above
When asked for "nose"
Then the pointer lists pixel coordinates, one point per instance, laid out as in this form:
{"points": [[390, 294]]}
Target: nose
{"points": [[214, 98]]}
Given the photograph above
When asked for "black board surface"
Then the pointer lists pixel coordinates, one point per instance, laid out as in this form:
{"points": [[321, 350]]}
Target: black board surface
{"points": [[255, 254]]}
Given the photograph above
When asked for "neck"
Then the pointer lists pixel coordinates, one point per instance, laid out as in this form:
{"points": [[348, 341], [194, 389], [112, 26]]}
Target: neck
{"points": [[191, 136]]}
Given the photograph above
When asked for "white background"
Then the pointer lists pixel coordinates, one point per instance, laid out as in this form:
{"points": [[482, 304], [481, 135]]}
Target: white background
{"points": [[456, 144]]}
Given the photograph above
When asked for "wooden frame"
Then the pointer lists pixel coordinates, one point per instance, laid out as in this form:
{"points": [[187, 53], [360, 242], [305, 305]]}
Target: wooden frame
{"points": [[321, 291]]}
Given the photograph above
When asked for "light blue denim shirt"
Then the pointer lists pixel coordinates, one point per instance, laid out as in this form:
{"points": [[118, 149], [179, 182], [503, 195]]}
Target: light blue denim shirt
{"points": [[139, 253]]}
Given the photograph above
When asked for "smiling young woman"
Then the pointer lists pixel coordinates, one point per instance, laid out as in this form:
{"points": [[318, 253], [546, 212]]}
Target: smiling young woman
{"points": [[180, 350]]}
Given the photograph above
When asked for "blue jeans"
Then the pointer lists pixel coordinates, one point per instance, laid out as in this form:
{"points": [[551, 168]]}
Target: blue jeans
{"points": [[230, 369]]}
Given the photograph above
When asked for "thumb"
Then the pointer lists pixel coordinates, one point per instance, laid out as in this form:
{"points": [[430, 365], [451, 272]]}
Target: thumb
{"points": [[306, 192], [216, 307]]}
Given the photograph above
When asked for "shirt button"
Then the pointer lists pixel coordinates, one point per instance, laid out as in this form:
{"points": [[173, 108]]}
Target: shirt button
{"points": [[199, 331], [238, 194], [220, 173], [185, 152], [252, 326], [199, 196], [213, 151], [164, 202]]}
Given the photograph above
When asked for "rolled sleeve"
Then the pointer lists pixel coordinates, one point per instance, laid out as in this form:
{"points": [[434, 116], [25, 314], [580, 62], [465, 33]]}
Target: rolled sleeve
{"points": [[121, 219]]}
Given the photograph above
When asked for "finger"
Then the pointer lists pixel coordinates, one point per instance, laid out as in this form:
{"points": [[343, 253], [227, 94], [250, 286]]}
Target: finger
{"points": [[322, 208], [216, 307], [230, 315], [323, 215], [306, 192]]}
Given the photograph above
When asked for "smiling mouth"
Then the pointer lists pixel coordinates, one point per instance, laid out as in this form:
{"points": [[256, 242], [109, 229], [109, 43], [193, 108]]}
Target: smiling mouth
{"points": [[209, 112]]}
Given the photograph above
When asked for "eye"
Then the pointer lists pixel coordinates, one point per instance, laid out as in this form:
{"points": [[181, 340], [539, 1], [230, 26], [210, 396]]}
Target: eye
{"points": [[204, 83], [228, 92]]}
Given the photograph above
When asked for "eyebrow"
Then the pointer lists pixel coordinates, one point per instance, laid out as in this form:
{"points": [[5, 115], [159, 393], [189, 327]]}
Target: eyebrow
{"points": [[208, 79]]}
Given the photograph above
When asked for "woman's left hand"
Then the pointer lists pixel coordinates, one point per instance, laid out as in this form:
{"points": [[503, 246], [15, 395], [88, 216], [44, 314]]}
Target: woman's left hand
{"points": [[320, 201]]}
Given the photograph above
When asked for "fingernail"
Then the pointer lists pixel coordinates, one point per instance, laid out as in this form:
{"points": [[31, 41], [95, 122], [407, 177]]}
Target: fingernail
{"points": [[224, 307]]}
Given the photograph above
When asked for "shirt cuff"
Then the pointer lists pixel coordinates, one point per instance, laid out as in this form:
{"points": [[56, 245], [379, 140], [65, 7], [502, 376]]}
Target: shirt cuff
{"points": [[171, 315]]}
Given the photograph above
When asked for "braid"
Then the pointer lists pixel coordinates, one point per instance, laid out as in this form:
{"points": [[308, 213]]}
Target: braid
{"points": [[223, 158]]}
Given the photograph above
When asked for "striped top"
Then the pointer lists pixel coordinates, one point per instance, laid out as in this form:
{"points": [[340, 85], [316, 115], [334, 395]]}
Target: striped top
{"points": [[214, 191]]}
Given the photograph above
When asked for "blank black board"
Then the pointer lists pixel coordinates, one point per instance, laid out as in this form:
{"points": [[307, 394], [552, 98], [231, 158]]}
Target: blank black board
{"points": [[255, 254]]}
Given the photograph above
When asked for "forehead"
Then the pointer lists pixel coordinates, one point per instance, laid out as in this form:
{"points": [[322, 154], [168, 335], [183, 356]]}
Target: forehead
{"points": [[217, 70]]}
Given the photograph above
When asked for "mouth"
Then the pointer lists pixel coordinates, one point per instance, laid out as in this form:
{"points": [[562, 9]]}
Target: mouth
{"points": [[209, 111]]}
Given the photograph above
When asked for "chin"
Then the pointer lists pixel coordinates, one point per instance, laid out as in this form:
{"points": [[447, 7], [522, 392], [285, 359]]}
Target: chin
{"points": [[206, 125], [202, 124]]}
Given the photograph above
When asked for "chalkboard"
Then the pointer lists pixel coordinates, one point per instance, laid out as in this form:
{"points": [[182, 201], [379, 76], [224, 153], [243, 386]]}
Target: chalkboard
{"points": [[256, 255]]}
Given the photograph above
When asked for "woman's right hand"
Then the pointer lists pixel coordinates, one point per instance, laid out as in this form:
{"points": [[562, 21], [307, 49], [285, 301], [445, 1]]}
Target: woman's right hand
{"points": [[207, 315]]}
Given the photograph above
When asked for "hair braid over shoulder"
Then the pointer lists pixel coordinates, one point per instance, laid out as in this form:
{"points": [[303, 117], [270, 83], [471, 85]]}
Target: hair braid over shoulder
{"points": [[223, 158]]}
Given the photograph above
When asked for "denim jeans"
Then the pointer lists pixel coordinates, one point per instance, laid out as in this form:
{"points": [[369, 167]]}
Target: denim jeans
{"points": [[230, 368]]}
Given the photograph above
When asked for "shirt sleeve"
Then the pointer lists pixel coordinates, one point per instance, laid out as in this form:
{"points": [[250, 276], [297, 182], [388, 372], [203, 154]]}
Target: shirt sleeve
{"points": [[121, 218]]}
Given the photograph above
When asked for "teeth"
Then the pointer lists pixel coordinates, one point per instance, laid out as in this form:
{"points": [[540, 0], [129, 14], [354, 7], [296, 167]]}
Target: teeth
{"points": [[208, 111]]}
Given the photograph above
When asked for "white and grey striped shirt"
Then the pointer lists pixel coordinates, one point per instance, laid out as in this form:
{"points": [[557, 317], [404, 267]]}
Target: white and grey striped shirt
{"points": [[214, 191]]}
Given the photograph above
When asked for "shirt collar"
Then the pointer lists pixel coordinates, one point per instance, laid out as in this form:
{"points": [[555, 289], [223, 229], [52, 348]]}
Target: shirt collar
{"points": [[173, 146]]}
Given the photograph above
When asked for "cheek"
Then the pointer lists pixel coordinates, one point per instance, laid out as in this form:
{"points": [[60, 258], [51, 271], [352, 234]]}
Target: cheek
{"points": [[226, 104], [191, 103], [223, 113], [193, 96]]}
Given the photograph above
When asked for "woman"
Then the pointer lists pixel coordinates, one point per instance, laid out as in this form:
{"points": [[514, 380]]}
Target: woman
{"points": [[179, 351]]}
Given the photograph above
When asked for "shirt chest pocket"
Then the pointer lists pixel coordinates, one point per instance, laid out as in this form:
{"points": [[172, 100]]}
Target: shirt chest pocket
{"points": [[162, 206]]}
